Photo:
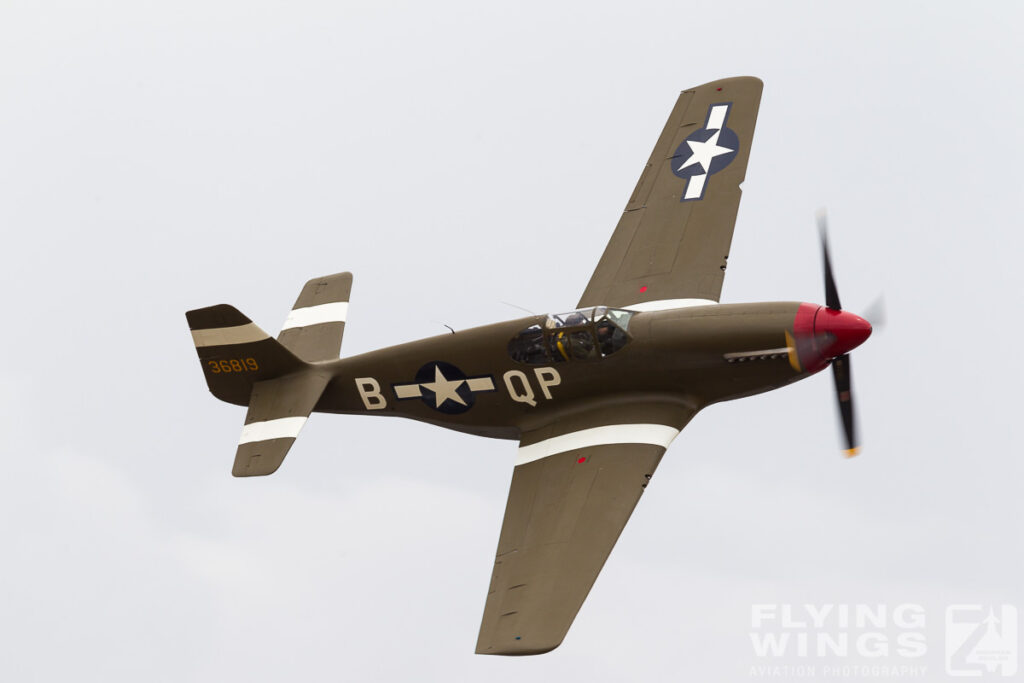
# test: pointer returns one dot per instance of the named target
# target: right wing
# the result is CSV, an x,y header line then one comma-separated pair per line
x,y
673,240
575,484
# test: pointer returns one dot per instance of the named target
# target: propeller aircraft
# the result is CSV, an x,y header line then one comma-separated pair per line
x,y
594,396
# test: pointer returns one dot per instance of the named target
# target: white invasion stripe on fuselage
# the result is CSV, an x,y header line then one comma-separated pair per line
x,y
668,304
223,336
653,434
281,428
334,312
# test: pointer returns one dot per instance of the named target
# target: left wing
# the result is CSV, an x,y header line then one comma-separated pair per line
x,y
575,484
673,239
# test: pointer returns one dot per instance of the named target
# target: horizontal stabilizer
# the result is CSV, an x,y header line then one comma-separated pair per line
x,y
316,323
278,409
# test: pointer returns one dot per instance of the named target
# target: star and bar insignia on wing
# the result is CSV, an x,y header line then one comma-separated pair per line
x,y
705,152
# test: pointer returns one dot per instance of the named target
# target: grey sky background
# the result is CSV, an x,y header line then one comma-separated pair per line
x,y
157,157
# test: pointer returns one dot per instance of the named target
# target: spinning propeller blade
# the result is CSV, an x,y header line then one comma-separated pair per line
x,y
831,291
841,363
841,375
876,313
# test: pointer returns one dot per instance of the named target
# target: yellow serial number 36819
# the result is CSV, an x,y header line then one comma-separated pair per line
x,y
233,365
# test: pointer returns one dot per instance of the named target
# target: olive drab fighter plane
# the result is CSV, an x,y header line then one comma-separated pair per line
x,y
594,396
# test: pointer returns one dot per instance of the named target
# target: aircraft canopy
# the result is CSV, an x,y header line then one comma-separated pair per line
x,y
584,334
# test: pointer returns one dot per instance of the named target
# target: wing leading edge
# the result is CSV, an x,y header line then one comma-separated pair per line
x,y
574,487
673,239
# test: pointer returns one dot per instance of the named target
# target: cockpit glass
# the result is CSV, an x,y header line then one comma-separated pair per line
x,y
528,346
610,337
585,334
581,345
570,319
620,317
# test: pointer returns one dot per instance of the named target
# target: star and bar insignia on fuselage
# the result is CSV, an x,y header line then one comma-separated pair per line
x,y
444,387
705,152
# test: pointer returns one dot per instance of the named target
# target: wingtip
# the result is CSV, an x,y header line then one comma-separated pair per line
x,y
721,83
517,651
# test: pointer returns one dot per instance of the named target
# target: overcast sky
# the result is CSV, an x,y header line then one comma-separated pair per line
x,y
162,156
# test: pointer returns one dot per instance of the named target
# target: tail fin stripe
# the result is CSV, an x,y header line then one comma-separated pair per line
x,y
281,428
334,312
224,336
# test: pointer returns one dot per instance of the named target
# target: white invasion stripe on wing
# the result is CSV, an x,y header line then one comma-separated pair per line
x,y
654,434
668,304
317,315
223,336
281,428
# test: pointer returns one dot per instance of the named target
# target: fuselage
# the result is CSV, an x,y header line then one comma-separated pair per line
x,y
470,381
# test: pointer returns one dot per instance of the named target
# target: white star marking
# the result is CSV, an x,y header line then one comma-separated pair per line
x,y
444,388
704,152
